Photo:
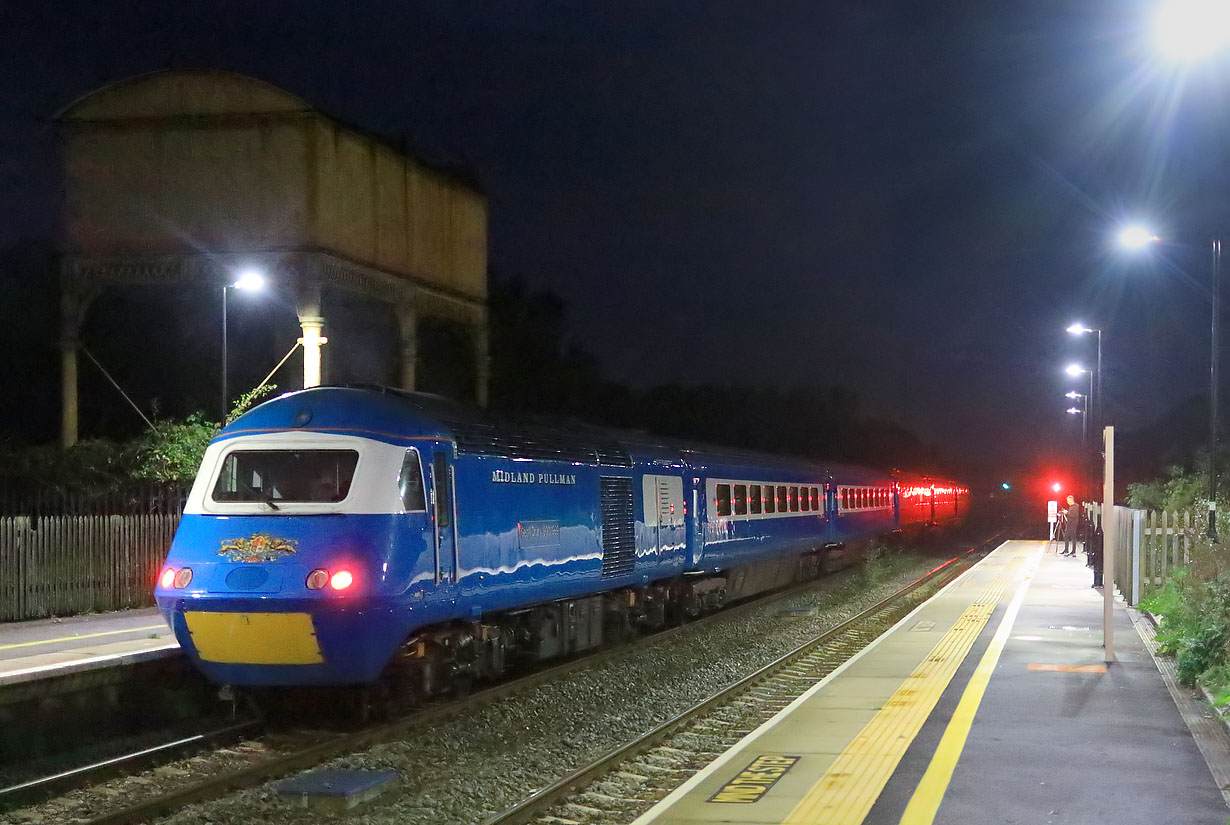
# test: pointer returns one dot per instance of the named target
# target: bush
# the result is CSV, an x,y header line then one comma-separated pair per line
x,y
882,562
169,451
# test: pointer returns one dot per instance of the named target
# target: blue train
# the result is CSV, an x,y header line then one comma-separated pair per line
x,y
350,535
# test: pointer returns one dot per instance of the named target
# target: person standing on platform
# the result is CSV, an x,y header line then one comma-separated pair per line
x,y
1071,527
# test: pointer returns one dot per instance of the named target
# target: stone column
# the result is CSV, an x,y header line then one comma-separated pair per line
x,y
482,360
312,323
408,335
73,304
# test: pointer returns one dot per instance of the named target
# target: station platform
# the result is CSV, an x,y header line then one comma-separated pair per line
x,y
48,648
990,703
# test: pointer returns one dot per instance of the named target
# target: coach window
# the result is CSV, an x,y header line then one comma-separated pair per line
x,y
740,499
782,502
770,502
410,483
804,500
794,499
723,499
845,499
815,498
753,499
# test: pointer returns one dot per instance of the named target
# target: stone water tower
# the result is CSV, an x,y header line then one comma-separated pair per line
x,y
182,177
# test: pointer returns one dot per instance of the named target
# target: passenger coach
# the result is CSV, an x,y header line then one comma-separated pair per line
x,y
341,536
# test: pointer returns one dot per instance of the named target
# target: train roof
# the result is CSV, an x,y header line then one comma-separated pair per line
x,y
395,414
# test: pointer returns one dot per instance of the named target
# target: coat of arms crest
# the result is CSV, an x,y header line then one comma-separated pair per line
x,y
256,548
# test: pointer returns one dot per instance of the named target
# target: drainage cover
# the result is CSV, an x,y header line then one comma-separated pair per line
x,y
336,790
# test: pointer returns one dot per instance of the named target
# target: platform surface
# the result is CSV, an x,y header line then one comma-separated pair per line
x,y
989,704
54,647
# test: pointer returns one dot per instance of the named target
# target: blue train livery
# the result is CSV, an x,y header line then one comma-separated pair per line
x,y
349,536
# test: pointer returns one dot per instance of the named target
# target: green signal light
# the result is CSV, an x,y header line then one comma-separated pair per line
x,y
1006,486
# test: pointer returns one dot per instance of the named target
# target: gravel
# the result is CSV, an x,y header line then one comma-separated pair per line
x,y
464,770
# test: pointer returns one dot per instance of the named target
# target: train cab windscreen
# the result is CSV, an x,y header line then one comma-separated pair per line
x,y
273,476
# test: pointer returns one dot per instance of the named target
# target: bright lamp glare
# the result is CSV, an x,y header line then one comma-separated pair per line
x,y
1072,394
1074,369
1056,486
1073,411
1078,329
1136,237
1192,29
250,279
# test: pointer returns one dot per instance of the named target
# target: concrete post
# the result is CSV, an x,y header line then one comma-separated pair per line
x,y
1109,535
311,322
408,336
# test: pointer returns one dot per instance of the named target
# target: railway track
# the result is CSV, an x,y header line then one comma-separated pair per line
x,y
65,780
627,781
277,761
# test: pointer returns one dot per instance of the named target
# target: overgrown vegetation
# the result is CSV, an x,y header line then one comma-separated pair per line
x,y
1194,602
884,561
169,451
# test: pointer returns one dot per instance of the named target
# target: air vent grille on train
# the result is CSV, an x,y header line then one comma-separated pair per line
x,y
618,535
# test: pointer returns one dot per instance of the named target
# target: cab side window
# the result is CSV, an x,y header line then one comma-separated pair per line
x,y
410,483
444,491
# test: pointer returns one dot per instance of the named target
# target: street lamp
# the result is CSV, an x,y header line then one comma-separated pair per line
x,y
250,280
1188,30
1080,329
1214,340
1087,456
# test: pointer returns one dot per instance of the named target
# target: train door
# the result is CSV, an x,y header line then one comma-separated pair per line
x,y
699,509
663,501
444,511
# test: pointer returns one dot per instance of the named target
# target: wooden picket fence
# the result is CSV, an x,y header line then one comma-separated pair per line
x,y
1150,544
81,551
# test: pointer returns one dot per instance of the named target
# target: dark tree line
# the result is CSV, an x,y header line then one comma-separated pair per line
x,y
161,345
536,368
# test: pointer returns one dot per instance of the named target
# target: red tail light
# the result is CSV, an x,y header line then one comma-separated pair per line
x,y
167,578
341,580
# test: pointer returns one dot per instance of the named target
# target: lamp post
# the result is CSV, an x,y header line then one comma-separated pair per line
x,y
1188,31
1089,456
1080,329
1137,238
250,280
1083,409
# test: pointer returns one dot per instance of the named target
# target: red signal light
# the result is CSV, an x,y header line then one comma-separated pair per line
x,y
1057,487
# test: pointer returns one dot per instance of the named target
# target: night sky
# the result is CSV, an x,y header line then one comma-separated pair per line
x,y
909,199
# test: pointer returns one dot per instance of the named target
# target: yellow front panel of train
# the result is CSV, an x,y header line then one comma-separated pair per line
x,y
255,638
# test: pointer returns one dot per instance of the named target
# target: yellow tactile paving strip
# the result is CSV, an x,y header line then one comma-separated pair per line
x,y
853,782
